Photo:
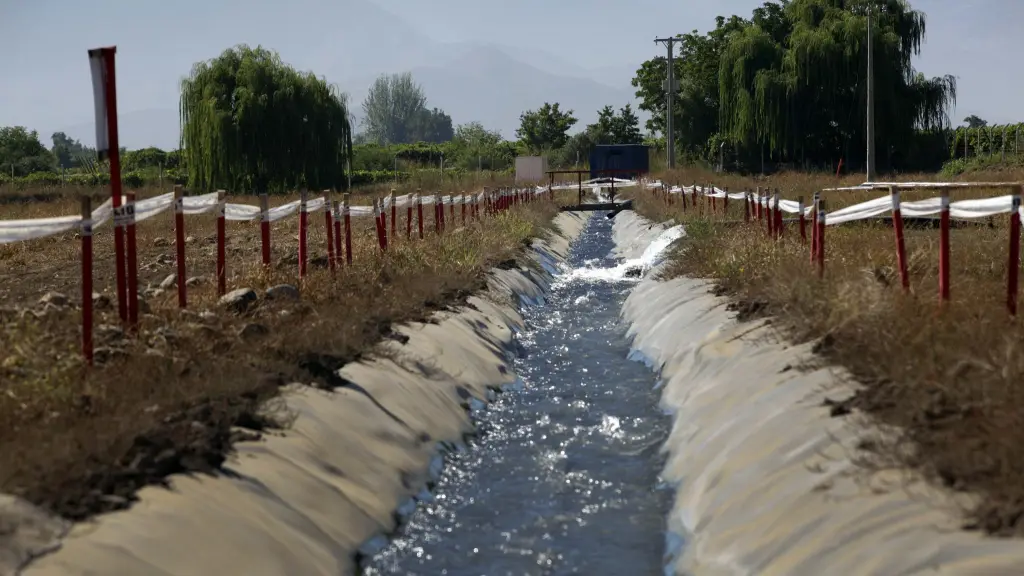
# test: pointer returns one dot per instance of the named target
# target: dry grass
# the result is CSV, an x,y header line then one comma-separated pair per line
x,y
173,397
949,378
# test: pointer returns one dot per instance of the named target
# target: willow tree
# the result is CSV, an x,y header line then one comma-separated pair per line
x,y
803,96
251,123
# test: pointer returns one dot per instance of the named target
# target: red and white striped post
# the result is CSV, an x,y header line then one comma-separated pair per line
x,y
1013,265
408,216
394,215
329,226
803,221
757,206
381,217
451,210
303,233
179,243
746,207
462,202
85,230
901,249
338,250
104,86
222,241
132,261
944,246
821,215
265,230
769,215
487,201
347,216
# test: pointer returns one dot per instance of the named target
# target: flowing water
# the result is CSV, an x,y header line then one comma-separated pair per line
x,y
563,475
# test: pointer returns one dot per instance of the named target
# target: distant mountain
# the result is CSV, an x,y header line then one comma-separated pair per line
x,y
489,83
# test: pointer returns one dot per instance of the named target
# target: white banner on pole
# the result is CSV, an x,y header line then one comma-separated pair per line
x,y
98,65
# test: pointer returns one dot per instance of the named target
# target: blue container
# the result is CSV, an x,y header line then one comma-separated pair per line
x,y
626,159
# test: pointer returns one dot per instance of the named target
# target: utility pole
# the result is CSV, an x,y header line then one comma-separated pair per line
x,y
871,103
670,86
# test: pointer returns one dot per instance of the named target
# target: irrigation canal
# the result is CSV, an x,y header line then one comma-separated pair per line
x,y
563,477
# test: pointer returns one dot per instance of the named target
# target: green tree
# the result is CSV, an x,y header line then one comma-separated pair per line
x,y
394,110
788,83
71,153
973,121
21,152
546,128
612,128
432,126
251,122
479,148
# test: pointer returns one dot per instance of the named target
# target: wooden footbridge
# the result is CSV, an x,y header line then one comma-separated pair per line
x,y
612,207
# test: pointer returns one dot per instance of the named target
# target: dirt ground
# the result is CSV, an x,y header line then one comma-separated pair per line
x,y
174,395
947,380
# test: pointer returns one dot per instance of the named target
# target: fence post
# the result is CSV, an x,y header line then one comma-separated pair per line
x,y
329,224
179,243
725,203
462,202
1013,266
394,214
382,232
779,224
901,250
814,225
419,212
222,274
303,226
338,250
757,207
821,215
85,230
132,276
438,212
265,230
803,230
408,216
346,214
944,246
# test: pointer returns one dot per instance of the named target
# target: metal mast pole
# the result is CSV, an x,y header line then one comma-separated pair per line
x,y
871,104
670,84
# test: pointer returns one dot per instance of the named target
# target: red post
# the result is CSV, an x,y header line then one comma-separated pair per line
x,y
714,202
329,224
769,215
803,221
85,229
901,249
451,210
419,213
462,201
348,229
1013,265
779,225
551,187
438,212
222,240
814,225
725,202
821,238
382,239
758,206
338,250
408,216
104,59
394,214
303,228
265,230
179,243
746,207
944,247
132,262
382,217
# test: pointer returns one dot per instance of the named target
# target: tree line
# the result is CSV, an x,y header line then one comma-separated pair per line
x,y
250,122
787,86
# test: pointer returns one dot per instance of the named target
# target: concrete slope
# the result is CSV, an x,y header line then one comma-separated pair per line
x,y
766,478
304,500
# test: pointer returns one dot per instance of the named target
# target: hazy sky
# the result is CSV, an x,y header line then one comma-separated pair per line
x,y
46,85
